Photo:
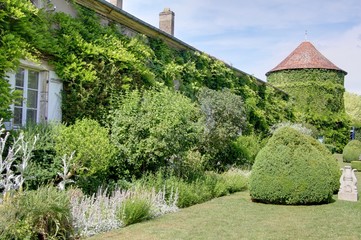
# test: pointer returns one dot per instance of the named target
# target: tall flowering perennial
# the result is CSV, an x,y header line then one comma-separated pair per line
x,y
10,180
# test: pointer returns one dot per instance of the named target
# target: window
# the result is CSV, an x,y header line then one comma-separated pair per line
x,y
27,81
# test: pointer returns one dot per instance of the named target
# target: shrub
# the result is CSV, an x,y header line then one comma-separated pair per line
x,y
356,165
134,209
44,164
246,149
293,168
331,148
92,147
236,180
154,129
352,151
191,166
225,119
44,214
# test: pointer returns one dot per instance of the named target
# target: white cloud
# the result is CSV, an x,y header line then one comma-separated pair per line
x,y
345,52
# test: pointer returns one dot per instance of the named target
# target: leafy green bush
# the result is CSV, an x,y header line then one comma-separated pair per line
x,y
236,180
246,149
356,165
225,119
155,129
92,147
352,151
192,165
293,169
134,209
44,164
331,148
41,214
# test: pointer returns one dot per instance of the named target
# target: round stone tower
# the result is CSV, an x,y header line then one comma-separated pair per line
x,y
316,84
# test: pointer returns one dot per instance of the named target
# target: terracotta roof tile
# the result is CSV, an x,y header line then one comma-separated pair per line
x,y
305,56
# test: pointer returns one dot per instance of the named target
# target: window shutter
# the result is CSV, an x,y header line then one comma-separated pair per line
x,y
55,87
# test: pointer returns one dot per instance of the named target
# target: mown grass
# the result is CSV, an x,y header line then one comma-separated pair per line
x,y
237,217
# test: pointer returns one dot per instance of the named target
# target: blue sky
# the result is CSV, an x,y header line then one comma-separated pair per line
x,y
254,36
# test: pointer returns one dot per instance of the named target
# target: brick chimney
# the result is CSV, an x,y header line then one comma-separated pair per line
x,y
117,3
166,21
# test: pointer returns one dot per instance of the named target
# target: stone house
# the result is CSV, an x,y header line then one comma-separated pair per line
x,y
41,86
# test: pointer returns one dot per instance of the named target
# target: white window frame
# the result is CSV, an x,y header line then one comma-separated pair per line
x,y
24,103
48,93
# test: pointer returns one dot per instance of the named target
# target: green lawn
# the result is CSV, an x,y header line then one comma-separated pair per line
x,y
237,217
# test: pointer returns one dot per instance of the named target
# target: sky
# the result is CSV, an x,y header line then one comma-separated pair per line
x,y
256,35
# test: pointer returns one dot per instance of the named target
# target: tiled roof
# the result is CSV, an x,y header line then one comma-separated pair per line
x,y
305,56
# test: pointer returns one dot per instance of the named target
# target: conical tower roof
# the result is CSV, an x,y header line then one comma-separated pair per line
x,y
305,56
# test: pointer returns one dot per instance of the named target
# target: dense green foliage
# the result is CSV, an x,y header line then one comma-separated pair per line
x,y
154,130
246,149
41,214
318,95
353,108
224,114
133,210
93,151
45,163
205,187
91,144
356,165
352,151
18,19
293,169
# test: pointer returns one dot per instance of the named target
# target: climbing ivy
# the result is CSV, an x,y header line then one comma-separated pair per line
x,y
16,34
97,63
318,96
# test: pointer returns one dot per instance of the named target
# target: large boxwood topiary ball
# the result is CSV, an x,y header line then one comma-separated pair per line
x,y
293,169
352,151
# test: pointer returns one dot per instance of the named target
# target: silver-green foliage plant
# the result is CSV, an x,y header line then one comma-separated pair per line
x,y
66,174
293,168
9,179
297,126
103,212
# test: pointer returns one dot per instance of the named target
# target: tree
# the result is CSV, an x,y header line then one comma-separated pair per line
x,y
225,120
353,107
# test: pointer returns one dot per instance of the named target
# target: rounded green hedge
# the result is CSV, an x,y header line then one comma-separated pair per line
x,y
356,165
352,151
293,169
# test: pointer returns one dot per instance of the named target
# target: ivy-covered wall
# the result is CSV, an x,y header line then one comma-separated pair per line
x,y
318,95
97,63
315,90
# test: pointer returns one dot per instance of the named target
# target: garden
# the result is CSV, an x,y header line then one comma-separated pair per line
x,y
46,203
137,157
